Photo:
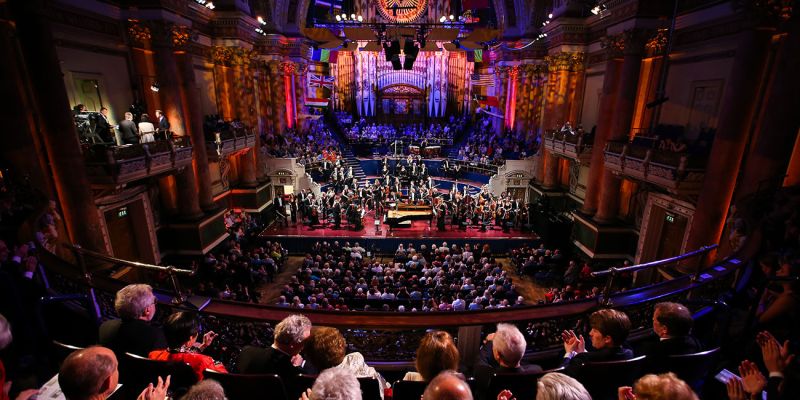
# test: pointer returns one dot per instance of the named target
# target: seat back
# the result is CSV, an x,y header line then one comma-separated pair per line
x,y
692,368
248,386
60,352
140,371
522,384
408,390
602,379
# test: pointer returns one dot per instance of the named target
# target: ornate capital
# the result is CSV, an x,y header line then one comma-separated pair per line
x,y
657,44
767,12
138,32
628,42
564,61
513,73
222,55
241,56
288,67
181,35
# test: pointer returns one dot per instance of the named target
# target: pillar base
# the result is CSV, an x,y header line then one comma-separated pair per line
x,y
612,241
193,238
251,199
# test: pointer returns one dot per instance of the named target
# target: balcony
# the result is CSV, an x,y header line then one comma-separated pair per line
x,y
227,142
568,146
678,173
122,164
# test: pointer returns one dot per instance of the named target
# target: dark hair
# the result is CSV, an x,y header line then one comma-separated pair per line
x,y
103,108
144,118
611,323
436,353
178,328
675,317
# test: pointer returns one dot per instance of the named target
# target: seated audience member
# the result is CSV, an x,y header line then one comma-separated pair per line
x,y
436,353
609,330
503,352
784,374
207,389
447,385
780,313
557,386
658,387
181,330
283,357
92,373
132,332
672,323
334,384
326,348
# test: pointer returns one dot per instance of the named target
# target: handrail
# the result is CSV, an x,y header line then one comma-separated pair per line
x,y
612,272
179,298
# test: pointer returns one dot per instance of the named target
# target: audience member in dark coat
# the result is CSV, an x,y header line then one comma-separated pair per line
x,y
502,353
609,329
672,323
132,333
283,358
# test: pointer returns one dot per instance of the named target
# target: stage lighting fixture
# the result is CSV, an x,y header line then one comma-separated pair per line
x,y
392,49
396,63
338,17
411,51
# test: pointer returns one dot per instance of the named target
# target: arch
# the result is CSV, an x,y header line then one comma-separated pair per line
x,y
402,89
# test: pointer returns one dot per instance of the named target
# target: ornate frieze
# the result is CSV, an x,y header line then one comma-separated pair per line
x,y
138,32
565,61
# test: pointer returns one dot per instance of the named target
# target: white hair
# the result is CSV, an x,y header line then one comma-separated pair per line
x,y
5,332
557,386
132,300
207,389
292,329
336,384
509,343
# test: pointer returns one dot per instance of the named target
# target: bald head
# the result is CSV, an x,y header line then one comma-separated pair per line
x,y
448,385
90,373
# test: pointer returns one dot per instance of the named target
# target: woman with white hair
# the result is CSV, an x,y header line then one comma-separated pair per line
x,y
557,386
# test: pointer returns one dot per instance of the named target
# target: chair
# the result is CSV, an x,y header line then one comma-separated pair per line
x,y
60,351
602,379
692,368
140,372
408,390
247,386
522,384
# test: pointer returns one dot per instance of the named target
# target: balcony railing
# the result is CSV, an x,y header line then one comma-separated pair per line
x,y
676,172
225,143
573,147
116,165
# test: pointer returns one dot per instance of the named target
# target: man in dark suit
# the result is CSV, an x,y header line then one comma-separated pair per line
x,y
502,353
132,333
163,124
283,357
128,130
672,323
103,128
609,330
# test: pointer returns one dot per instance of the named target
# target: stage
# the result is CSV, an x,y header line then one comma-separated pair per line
x,y
303,237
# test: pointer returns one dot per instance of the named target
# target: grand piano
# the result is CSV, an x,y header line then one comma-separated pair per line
x,y
408,212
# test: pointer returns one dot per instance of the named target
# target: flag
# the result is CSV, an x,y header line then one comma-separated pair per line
x,y
324,55
315,81
474,4
484,100
482,79
478,56
316,102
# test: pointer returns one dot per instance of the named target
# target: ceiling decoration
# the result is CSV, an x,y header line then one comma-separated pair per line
x,y
402,11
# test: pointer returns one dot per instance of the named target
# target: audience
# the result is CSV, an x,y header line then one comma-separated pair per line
x,y
658,387
133,332
557,386
283,357
436,353
502,352
182,330
326,347
207,389
334,384
672,323
609,329
447,385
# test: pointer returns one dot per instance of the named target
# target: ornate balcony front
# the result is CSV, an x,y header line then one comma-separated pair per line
x,y
678,173
572,147
119,165
228,142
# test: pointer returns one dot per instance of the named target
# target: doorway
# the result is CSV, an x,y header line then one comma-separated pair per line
x,y
122,234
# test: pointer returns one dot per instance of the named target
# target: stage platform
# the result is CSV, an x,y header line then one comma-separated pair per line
x,y
302,237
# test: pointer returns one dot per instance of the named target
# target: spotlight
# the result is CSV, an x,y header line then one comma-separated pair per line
x,y
154,87
550,15
352,16
360,19
338,17
442,19
452,17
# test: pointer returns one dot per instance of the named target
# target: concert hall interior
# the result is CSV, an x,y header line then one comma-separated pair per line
x,y
560,199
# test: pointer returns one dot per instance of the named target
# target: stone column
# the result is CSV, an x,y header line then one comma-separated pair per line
x,y
195,126
288,91
633,46
766,164
163,45
299,89
57,129
557,106
188,200
502,96
513,74
735,121
278,96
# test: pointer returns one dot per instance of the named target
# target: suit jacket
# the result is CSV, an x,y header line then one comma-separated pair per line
x,y
129,131
163,123
672,347
103,129
572,367
131,336
259,360
487,366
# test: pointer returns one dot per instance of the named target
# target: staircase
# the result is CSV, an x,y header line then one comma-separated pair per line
x,y
350,160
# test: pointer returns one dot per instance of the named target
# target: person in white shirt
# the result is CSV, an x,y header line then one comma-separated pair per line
x,y
146,130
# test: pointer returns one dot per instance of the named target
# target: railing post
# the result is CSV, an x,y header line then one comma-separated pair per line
x,y
87,277
606,300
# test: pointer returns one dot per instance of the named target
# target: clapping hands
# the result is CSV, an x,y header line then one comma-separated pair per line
x,y
573,342
776,357
157,392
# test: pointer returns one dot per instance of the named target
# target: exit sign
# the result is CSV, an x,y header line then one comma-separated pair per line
x,y
123,211
670,218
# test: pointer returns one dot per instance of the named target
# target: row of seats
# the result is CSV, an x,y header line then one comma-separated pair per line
x,y
601,378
